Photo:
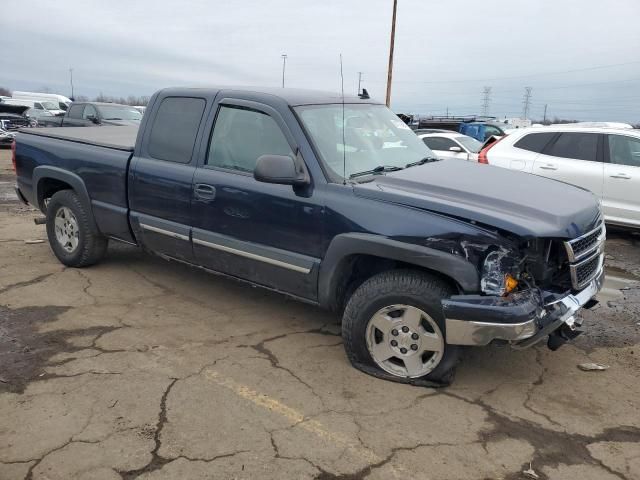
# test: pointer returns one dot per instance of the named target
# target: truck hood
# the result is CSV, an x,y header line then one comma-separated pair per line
x,y
521,203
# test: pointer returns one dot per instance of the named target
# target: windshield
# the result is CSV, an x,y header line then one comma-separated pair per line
x,y
50,106
471,144
373,137
119,112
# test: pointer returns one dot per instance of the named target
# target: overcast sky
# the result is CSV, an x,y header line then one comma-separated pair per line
x,y
581,57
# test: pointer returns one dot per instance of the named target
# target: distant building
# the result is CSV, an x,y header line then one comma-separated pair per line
x,y
516,122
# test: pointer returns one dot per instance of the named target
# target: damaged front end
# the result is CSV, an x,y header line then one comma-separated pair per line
x,y
530,292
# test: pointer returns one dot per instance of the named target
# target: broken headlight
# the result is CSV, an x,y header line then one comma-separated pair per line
x,y
499,272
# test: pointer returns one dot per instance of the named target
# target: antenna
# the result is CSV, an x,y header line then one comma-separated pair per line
x,y
344,149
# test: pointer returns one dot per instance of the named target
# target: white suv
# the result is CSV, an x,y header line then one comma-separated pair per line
x,y
603,160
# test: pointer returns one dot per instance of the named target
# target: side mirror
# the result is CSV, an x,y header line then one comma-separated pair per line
x,y
94,119
455,149
281,169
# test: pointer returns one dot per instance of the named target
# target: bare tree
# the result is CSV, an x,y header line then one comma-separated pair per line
x,y
5,92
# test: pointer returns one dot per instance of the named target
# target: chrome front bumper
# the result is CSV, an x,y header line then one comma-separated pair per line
x,y
535,319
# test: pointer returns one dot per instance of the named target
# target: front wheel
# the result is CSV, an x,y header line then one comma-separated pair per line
x,y
72,234
393,327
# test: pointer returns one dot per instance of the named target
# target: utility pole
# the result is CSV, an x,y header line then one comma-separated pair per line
x,y
393,37
447,111
526,102
71,78
284,65
359,81
486,100
544,120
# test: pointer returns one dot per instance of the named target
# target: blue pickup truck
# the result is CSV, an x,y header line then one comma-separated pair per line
x,y
333,201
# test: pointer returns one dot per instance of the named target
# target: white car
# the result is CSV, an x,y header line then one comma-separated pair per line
x,y
603,160
452,145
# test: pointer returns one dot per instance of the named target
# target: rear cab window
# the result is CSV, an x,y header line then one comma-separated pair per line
x,y
175,127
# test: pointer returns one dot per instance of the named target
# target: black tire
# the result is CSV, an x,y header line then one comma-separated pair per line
x,y
91,245
408,287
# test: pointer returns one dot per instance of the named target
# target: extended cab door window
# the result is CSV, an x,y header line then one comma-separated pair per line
x,y
174,130
573,158
621,202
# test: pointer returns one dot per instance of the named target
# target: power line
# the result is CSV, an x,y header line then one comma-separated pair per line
x,y
486,100
526,102
509,77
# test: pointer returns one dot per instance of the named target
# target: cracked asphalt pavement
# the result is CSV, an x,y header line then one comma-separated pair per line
x,y
139,368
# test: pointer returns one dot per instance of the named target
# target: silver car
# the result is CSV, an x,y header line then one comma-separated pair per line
x,y
452,145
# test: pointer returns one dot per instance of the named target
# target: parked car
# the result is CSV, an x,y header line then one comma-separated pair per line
x,y
12,117
48,106
6,138
61,101
480,128
89,114
269,186
482,131
452,145
36,116
605,161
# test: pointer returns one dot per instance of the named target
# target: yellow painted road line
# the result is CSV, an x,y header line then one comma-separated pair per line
x,y
293,415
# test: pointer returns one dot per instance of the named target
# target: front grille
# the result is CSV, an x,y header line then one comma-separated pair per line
x,y
582,246
14,123
586,256
582,273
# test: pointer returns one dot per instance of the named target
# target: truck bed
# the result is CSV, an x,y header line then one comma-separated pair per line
x,y
119,138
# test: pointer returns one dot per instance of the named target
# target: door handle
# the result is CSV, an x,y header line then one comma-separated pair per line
x,y
624,176
202,191
549,166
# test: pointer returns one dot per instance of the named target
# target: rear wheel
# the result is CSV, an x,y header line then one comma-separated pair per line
x,y
72,234
393,327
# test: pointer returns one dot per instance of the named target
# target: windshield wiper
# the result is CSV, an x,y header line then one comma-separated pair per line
x,y
114,118
378,169
422,161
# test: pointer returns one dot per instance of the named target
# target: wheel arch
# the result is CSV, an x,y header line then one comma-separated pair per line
x,y
49,180
341,263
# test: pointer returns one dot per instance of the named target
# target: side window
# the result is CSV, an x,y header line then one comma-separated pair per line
x,y
241,135
89,112
534,142
75,111
581,146
38,106
175,127
439,143
624,150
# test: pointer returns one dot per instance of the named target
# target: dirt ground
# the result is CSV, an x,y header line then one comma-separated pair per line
x,y
141,368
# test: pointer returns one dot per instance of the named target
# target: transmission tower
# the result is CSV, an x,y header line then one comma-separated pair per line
x,y
526,102
486,100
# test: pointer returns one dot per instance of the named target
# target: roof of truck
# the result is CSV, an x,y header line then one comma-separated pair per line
x,y
292,96
118,137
